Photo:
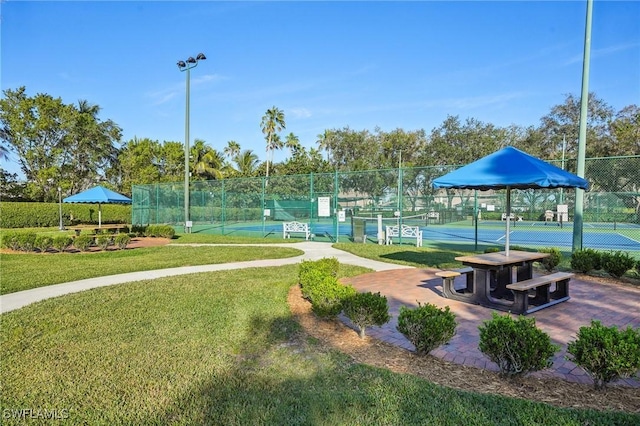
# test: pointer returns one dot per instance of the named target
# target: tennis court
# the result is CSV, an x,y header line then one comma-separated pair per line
x,y
599,236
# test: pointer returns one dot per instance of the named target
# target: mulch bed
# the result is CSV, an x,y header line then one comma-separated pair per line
x,y
335,334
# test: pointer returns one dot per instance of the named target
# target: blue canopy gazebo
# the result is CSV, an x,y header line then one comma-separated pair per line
x,y
98,195
509,168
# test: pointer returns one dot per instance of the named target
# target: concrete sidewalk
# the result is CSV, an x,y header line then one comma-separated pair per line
x,y
312,251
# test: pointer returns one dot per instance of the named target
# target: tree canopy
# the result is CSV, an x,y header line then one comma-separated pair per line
x,y
70,146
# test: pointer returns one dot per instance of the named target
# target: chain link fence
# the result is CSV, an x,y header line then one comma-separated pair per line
x,y
346,206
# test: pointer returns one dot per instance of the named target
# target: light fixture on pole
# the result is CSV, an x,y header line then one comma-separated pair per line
x,y
187,66
61,227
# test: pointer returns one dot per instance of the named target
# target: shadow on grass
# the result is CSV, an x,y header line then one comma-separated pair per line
x,y
292,380
432,259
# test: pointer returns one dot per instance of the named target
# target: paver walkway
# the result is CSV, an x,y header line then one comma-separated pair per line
x,y
404,285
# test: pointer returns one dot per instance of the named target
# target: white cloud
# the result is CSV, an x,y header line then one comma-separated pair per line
x,y
605,51
300,112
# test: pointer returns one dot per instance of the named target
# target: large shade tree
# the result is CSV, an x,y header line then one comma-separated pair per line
x,y
56,144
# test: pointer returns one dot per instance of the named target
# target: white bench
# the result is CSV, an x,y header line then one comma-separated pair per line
x,y
295,227
512,217
407,232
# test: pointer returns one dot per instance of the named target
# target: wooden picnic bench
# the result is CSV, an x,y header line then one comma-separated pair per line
x,y
295,227
406,231
543,297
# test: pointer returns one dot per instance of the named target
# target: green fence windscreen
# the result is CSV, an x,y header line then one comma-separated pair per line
x,y
330,201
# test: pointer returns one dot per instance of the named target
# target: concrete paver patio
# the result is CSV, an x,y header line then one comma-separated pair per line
x,y
609,303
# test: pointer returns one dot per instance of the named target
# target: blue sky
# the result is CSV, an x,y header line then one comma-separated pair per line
x,y
325,64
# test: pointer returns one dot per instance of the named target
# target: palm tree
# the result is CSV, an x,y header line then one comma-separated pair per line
x,y
207,162
4,152
324,142
246,163
232,149
293,144
272,123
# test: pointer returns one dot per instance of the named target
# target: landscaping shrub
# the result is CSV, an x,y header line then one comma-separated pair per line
x,y
103,241
585,260
327,296
122,240
10,240
36,215
491,250
160,231
427,326
26,241
138,230
312,272
617,264
62,242
605,353
367,309
43,243
517,346
82,242
553,260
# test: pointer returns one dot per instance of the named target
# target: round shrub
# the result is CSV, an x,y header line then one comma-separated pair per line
x,y
327,297
62,242
585,260
122,240
312,272
553,260
367,309
605,353
617,264
10,240
26,241
43,243
427,326
103,241
517,346
82,242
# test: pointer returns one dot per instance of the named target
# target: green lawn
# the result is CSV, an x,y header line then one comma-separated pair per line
x,y
23,271
220,348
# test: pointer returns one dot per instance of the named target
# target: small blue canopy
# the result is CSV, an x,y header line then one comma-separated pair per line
x,y
510,168
98,195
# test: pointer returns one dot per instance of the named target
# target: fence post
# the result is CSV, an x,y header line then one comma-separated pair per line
x,y
335,207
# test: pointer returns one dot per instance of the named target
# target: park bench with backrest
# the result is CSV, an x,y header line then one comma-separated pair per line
x,y
405,231
294,227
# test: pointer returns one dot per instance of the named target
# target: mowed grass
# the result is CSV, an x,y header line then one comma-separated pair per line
x,y
22,271
220,348
406,254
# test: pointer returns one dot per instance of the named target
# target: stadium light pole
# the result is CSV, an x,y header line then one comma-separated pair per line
x,y
578,220
187,66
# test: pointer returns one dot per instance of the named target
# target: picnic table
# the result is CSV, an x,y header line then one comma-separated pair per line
x,y
506,283
116,227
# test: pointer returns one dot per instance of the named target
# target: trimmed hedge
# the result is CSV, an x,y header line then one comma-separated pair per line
x,y
39,215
